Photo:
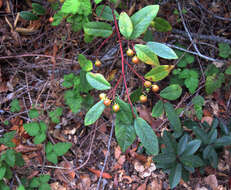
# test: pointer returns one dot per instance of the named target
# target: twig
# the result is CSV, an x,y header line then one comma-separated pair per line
x,y
107,154
202,36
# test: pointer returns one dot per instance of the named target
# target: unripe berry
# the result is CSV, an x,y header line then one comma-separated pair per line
x,y
135,60
155,88
130,52
143,98
102,96
147,84
98,63
116,107
51,19
107,102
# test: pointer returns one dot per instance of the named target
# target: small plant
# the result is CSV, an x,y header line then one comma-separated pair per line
x,y
36,130
40,182
15,106
55,115
37,10
53,151
224,50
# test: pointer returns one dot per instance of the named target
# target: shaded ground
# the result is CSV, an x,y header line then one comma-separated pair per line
x,y
29,72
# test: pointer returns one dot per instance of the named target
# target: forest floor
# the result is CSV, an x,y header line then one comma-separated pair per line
x,y
33,63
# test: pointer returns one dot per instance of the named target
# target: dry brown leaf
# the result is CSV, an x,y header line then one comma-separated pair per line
x,y
63,175
117,152
155,185
97,172
85,182
24,149
211,180
57,186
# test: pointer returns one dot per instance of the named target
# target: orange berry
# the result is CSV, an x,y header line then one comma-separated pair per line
x,y
135,60
116,107
51,19
98,63
102,96
130,52
143,98
147,84
155,88
107,102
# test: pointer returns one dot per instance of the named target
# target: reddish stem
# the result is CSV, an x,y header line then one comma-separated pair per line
x,y
134,71
122,61
112,91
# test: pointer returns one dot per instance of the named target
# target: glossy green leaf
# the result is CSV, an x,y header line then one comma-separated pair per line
x,y
147,136
223,141
175,175
27,15
162,25
61,148
125,134
94,113
158,109
212,136
165,158
192,147
38,9
162,50
97,81
32,128
173,118
182,144
85,64
2,172
125,25
146,55
124,115
105,13
172,92
158,72
142,19
192,161
98,29
200,133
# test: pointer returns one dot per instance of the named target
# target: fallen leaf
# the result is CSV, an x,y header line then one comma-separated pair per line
x,y
97,172
85,182
24,149
68,173
155,185
211,180
57,186
117,152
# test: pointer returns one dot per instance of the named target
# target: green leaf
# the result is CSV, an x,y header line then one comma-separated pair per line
x,y
3,186
192,147
94,113
27,15
228,70
84,85
162,25
82,7
223,141
97,1
198,102
19,161
15,106
52,157
61,148
182,144
44,178
35,182
142,19
98,29
40,138
49,148
58,17
147,136
38,9
135,95
185,58
21,187
124,115
170,142
7,139
213,158
224,50
105,13
85,64
146,55
213,82
175,175
173,118
158,109
162,50
125,25
192,161
125,134
165,158
33,113
9,173
73,100
200,133
172,92
44,186
97,81
10,157
55,115
2,172
158,72
32,128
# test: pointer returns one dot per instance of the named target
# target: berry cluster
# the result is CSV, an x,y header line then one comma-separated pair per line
x,y
107,102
